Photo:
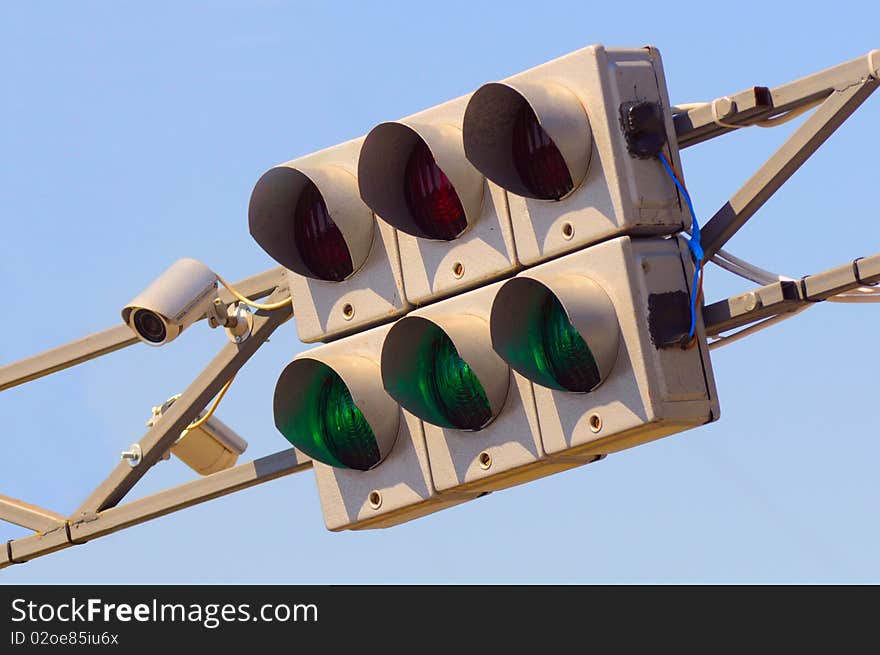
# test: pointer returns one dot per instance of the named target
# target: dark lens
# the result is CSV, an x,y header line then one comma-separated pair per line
x,y
538,161
431,198
453,387
149,326
318,239
567,355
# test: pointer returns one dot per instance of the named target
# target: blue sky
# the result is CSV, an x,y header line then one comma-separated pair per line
x,y
132,135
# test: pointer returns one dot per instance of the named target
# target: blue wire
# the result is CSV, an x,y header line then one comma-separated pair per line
x,y
694,244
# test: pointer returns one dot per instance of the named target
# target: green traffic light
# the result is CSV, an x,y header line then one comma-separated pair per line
x,y
567,356
543,345
433,381
451,385
330,427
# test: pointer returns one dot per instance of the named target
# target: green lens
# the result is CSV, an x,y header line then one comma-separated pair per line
x,y
330,427
451,386
435,383
567,357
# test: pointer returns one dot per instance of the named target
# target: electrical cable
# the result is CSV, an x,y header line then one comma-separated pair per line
x,y
773,320
248,301
201,421
747,270
741,267
790,115
696,251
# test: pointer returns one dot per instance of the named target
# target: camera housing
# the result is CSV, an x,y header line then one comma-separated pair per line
x,y
207,448
172,302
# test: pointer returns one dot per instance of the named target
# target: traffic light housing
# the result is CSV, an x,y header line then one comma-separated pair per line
x,y
370,458
521,307
574,142
599,332
343,265
452,224
479,418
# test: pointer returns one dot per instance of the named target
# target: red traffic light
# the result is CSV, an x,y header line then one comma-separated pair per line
x,y
430,196
318,239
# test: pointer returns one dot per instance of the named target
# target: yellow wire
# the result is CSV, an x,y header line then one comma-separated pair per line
x,y
789,115
248,301
769,122
216,402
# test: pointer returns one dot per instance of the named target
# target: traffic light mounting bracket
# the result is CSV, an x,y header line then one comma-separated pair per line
x,y
787,296
836,92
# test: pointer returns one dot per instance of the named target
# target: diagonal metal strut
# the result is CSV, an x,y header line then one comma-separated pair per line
x,y
162,435
782,164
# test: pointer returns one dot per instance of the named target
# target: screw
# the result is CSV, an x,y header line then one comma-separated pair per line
x,y
723,106
752,301
133,455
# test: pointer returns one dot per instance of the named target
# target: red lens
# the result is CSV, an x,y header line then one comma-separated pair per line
x,y
431,198
318,239
538,161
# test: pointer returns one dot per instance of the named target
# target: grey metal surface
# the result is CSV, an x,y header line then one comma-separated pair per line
x,y
114,338
869,269
699,124
763,302
27,515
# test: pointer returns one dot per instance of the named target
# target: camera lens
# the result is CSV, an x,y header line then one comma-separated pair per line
x,y
149,326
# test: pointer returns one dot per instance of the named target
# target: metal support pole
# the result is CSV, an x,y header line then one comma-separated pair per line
x,y
114,338
198,491
65,534
711,119
789,295
27,515
782,164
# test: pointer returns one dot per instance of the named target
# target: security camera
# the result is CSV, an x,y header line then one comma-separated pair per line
x,y
206,447
179,297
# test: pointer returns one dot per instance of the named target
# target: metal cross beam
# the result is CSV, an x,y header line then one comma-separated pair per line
x,y
789,295
27,515
782,164
114,338
840,90
754,106
65,533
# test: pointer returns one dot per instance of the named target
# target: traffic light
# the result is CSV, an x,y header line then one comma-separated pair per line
x,y
481,428
453,226
370,458
536,308
598,332
343,265
574,142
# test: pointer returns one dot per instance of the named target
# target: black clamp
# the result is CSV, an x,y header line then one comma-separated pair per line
x,y
643,128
